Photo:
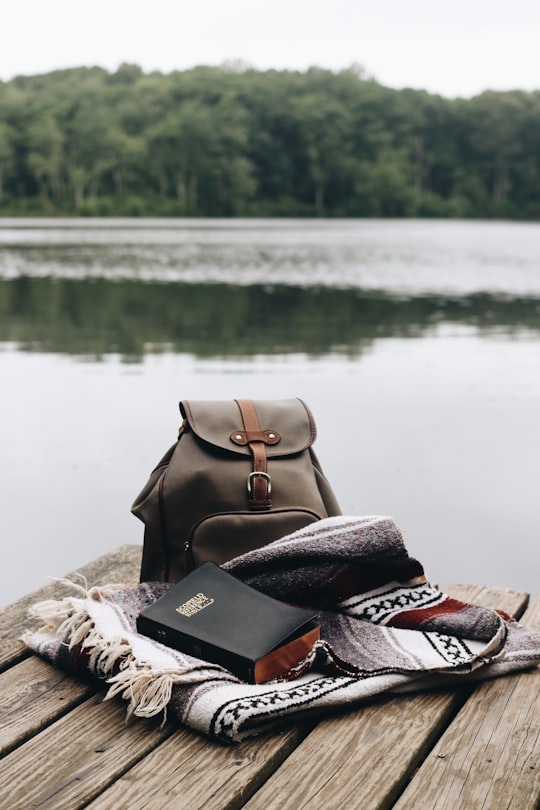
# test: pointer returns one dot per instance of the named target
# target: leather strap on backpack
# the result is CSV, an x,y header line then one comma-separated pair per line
x,y
259,483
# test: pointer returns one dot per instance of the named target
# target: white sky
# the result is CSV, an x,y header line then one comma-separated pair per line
x,y
452,47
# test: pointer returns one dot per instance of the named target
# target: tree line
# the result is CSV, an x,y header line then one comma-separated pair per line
x,y
234,141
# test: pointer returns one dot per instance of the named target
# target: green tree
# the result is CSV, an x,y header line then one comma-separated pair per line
x,y
44,142
6,154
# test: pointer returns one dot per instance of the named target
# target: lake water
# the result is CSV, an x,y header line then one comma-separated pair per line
x,y
416,344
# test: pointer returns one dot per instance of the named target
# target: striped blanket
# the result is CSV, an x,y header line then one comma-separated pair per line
x,y
384,628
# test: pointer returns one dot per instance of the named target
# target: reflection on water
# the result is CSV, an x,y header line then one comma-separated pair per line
x,y
97,317
245,287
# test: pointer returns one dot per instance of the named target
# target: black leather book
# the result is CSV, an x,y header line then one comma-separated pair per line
x,y
214,616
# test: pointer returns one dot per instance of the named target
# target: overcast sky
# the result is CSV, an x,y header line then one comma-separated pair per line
x,y
455,48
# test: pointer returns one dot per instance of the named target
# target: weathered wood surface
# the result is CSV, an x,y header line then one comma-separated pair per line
x,y
187,771
64,748
75,758
32,695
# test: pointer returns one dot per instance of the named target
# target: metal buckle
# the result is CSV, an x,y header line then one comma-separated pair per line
x,y
263,475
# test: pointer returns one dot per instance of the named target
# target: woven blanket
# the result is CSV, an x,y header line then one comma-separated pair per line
x,y
384,628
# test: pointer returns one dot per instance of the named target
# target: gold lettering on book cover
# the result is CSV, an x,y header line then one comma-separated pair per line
x,y
194,605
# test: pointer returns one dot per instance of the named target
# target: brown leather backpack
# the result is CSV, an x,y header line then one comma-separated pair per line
x,y
241,474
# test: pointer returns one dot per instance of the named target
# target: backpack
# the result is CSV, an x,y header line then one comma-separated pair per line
x,y
241,474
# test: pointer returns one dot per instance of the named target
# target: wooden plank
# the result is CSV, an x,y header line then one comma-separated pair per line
x,y
73,760
120,565
532,616
193,772
361,759
33,694
513,602
490,755
370,754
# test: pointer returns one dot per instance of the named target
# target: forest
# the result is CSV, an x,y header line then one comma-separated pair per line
x,y
233,141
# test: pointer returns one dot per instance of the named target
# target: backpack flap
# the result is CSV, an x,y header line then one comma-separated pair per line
x,y
260,430
215,422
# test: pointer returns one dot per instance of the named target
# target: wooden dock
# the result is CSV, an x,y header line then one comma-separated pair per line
x,y
458,749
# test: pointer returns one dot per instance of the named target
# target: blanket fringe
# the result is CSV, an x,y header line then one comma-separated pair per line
x,y
66,619
69,583
106,657
96,592
111,659
60,615
52,614
147,691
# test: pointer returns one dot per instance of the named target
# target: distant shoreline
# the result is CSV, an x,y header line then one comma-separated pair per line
x,y
222,142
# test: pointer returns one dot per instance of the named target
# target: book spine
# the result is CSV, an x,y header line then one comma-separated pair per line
x,y
242,667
